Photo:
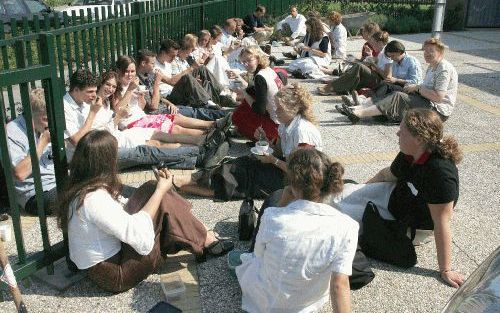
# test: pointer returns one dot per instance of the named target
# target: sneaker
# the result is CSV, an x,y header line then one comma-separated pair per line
x,y
214,139
223,124
339,109
214,157
267,49
212,104
350,114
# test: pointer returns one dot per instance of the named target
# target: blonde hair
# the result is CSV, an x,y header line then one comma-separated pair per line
x,y
295,99
37,101
189,41
436,43
256,52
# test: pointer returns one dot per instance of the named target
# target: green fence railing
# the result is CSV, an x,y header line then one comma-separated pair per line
x,y
46,51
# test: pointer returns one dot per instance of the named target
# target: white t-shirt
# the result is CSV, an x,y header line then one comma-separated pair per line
x,y
75,116
297,249
443,78
299,131
166,70
297,25
382,60
178,65
339,40
135,111
97,229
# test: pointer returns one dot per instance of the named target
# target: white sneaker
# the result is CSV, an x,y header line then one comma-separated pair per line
x,y
212,104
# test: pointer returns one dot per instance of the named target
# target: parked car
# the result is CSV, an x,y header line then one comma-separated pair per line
x,y
18,9
108,5
481,291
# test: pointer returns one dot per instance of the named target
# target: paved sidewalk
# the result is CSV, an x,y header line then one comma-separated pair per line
x,y
364,148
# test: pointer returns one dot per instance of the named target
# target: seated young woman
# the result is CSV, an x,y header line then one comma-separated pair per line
x,y
367,32
259,175
132,98
121,243
107,119
366,74
314,51
406,69
257,108
437,92
424,185
304,250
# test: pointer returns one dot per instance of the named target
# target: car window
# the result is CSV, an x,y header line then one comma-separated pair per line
x,y
93,2
13,7
35,6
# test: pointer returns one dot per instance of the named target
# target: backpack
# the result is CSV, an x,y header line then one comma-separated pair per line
x,y
362,273
386,240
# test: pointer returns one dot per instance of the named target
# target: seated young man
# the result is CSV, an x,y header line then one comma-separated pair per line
x,y
291,29
253,25
156,103
80,116
194,86
19,150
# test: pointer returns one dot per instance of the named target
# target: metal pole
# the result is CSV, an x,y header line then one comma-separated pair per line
x,y
437,22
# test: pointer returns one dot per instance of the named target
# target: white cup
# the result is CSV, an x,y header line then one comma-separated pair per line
x,y
261,146
141,88
5,232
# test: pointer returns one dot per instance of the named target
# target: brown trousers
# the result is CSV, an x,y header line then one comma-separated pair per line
x,y
357,77
176,228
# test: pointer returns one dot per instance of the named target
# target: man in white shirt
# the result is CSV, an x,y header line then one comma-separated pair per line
x,y
291,29
194,86
229,29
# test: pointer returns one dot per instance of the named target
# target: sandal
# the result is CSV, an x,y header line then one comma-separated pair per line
x,y
350,114
325,92
216,248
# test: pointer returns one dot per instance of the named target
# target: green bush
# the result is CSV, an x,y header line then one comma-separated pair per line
x,y
380,19
454,17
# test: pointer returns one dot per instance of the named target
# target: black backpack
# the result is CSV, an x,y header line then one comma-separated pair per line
x,y
362,273
386,240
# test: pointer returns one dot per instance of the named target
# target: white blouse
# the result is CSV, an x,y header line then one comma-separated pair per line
x,y
299,131
297,249
97,229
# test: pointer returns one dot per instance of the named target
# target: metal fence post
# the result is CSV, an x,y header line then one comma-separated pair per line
x,y
202,14
438,20
138,11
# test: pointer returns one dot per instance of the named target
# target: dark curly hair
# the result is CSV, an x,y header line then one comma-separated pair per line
x,y
81,79
314,174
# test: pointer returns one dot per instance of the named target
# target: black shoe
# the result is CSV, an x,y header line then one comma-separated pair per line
x,y
214,139
350,114
339,109
298,74
290,55
218,248
267,49
214,156
347,101
279,62
223,124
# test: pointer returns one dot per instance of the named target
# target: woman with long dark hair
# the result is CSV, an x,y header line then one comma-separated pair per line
x,y
121,242
314,51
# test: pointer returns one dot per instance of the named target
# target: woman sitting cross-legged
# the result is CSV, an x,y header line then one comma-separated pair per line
x,y
259,175
120,242
304,250
257,108
438,91
421,187
315,51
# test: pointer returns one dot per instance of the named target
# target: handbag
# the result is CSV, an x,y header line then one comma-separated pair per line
x,y
247,219
362,273
386,240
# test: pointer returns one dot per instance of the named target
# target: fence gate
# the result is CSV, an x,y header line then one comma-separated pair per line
x,y
483,13
16,78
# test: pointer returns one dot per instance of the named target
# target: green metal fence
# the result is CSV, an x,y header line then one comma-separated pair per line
x,y
44,52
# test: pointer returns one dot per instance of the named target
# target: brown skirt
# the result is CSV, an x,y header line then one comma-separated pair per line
x,y
176,228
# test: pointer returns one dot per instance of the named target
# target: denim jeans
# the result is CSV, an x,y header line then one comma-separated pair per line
x,y
203,113
178,158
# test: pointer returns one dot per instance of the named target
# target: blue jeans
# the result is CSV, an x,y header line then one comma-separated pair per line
x,y
178,158
202,113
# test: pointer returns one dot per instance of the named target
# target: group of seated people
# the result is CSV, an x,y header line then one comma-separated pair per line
x,y
177,108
